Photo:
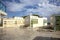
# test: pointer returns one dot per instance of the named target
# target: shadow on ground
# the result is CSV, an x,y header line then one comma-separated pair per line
x,y
45,38
1,33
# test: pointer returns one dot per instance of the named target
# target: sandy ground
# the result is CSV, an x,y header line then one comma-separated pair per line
x,y
27,34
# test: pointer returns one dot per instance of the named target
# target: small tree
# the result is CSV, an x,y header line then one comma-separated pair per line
x,y
36,15
24,16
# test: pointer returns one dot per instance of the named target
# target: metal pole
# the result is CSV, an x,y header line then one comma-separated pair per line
x,y
30,20
54,24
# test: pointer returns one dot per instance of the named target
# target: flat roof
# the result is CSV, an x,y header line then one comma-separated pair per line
x,y
3,13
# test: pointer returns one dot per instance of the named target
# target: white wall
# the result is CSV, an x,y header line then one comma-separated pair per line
x,y
44,18
40,21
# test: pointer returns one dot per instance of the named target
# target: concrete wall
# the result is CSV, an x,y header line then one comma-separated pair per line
x,y
27,20
40,21
11,22
39,24
45,21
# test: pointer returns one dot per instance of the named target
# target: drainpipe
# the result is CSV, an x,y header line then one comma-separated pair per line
x,y
54,24
30,19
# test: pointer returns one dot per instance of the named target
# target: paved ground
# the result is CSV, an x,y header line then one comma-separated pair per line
x,y
27,34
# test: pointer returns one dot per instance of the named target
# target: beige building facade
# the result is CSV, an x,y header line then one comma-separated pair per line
x,y
13,22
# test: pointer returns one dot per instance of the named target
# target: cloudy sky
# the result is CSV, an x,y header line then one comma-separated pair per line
x,y
24,7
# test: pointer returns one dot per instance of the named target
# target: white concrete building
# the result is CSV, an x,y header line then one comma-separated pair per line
x,y
13,22
35,21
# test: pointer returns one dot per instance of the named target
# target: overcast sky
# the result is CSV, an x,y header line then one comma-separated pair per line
x,y
24,7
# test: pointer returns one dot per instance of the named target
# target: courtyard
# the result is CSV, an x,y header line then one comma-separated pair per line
x,y
15,33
